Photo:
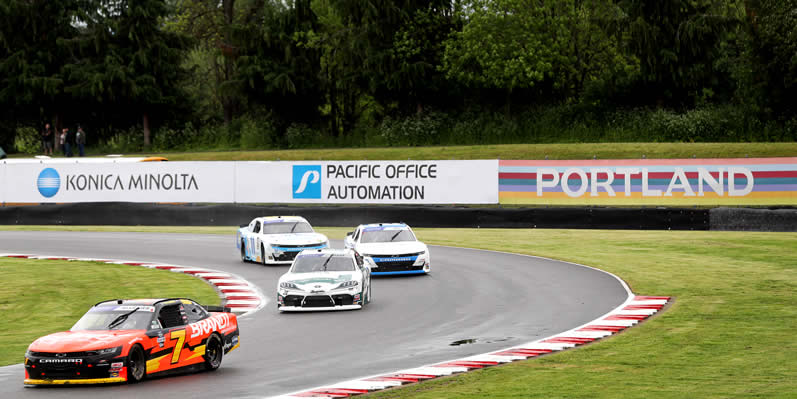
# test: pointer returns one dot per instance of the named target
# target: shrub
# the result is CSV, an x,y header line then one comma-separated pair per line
x,y
256,133
418,129
299,135
27,140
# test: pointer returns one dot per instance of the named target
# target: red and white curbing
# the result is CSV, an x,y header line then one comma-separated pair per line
x,y
236,293
634,310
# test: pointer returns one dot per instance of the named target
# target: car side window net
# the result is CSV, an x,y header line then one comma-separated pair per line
x,y
195,313
170,316
257,227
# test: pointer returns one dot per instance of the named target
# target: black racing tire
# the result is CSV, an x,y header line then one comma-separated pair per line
x,y
263,255
369,292
214,353
243,251
136,365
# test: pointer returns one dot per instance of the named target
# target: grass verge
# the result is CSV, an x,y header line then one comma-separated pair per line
x,y
40,297
505,151
730,332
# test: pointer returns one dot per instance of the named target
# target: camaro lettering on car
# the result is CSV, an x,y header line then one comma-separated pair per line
x,y
203,327
61,361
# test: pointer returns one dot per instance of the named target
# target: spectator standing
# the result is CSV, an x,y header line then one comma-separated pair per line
x,y
47,139
81,141
70,142
62,140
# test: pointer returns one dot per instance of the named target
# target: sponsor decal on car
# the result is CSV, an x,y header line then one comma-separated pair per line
x,y
206,326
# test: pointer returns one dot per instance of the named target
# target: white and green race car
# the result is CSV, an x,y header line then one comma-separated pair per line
x,y
325,279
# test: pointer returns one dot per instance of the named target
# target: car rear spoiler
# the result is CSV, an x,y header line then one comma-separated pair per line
x,y
211,308
245,225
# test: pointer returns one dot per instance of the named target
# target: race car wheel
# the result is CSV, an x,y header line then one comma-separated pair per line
x,y
262,254
136,365
369,294
243,251
214,352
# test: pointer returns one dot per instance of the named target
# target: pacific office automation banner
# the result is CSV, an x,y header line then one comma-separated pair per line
x,y
111,182
369,182
741,181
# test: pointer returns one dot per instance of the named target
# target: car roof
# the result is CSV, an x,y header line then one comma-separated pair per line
x,y
384,225
144,301
326,251
276,219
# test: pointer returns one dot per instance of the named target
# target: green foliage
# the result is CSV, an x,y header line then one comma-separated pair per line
x,y
418,129
27,141
299,135
256,133
677,42
505,44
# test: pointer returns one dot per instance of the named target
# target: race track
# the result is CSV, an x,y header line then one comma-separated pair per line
x,y
497,299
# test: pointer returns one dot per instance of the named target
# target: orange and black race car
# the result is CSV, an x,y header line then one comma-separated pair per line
x,y
126,340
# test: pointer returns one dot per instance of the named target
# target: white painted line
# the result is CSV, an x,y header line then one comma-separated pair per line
x,y
649,302
621,323
589,334
361,384
488,358
638,312
436,371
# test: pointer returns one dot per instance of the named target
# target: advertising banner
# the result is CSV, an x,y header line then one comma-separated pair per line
x,y
112,182
741,181
368,182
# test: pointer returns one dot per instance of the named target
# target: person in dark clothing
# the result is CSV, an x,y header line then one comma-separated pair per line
x,y
81,141
70,142
65,142
47,140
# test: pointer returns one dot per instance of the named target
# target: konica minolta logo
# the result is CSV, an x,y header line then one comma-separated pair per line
x,y
49,182
307,181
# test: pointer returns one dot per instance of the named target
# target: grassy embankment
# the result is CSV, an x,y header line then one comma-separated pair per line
x,y
730,332
44,296
497,151
506,151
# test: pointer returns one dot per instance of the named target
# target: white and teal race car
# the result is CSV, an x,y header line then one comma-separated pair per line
x,y
325,279
390,248
277,239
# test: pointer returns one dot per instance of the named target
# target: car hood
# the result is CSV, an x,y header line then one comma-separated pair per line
x,y
79,341
391,248
294,239
320,280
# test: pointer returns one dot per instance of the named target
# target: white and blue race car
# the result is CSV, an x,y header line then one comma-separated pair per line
x,y
390,248
277,239
325,279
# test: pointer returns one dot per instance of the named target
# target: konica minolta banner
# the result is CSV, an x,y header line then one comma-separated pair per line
x,y
385,182
117,182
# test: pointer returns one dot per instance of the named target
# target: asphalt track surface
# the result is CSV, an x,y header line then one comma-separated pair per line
x,y
496,299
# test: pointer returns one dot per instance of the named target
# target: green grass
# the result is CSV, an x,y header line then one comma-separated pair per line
x,y
40,297
729,333
505,151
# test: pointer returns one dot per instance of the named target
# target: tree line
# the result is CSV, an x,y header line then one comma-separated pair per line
x,y
287,73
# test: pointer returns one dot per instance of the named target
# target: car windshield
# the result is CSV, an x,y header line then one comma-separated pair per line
x,y
282,227
111,317
322,263
386,235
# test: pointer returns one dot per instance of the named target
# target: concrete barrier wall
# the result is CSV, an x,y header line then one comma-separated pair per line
x,y
350,216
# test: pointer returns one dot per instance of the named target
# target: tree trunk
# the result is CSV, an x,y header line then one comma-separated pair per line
x,y
145,121
229,101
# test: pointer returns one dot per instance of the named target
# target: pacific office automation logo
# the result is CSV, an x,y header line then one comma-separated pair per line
x,y
49,182
307,181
